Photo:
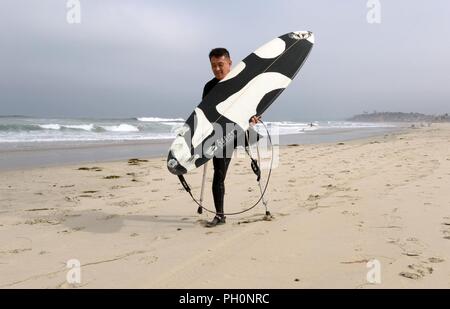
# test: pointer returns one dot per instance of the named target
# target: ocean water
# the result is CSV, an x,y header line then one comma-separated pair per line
x,y
33,142
17,131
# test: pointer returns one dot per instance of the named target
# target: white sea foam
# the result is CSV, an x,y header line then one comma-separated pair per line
x,y
85,127
123,127
157,119
50,126
17,130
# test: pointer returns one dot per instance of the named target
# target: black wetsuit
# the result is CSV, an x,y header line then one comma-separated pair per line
x,y
220,165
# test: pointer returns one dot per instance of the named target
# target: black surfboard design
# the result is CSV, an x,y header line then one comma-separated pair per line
x,y
249,89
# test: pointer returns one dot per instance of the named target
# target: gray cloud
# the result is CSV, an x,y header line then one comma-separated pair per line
x,y
148,58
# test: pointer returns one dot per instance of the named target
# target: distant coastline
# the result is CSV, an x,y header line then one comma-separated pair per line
x,y
399,117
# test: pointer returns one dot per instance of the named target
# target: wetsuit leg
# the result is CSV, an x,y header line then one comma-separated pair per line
x,y
218,185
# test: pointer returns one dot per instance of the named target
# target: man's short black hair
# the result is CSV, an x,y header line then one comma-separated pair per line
x,y
219,52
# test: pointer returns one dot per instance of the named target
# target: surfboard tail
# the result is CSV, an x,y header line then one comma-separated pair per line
x,y
174,166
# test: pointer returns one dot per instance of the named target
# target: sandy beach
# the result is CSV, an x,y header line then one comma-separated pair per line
x,y
336,207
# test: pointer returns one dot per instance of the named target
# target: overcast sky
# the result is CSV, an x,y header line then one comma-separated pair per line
x,y
150,58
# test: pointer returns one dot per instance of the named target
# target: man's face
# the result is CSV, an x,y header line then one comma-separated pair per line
x,y
220,66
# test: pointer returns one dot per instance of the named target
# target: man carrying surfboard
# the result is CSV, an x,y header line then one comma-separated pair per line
x,y
220,65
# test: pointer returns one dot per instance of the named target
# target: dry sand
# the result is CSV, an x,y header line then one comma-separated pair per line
x,y
335,207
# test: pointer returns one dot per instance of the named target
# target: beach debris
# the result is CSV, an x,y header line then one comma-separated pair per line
x,y
329,186
340,144
355,262
293,145
313,197
38,209
89,191
95,169
296,279
111,177
135,161
71,199
411,253
134,235
392,240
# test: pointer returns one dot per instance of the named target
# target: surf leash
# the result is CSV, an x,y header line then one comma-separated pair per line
x,y
256,169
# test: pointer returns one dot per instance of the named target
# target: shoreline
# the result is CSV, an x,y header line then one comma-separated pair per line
x,y
53,155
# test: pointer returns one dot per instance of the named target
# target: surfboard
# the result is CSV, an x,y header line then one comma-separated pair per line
x,y
247,90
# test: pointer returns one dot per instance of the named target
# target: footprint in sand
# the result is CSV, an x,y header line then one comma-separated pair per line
x,y
446,228
149,259
416,271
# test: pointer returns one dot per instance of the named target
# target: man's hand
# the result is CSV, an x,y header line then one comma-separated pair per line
x,y
255,119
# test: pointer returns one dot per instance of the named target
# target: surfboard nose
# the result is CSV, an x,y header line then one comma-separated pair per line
x,y
311,37
304,35
174,166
